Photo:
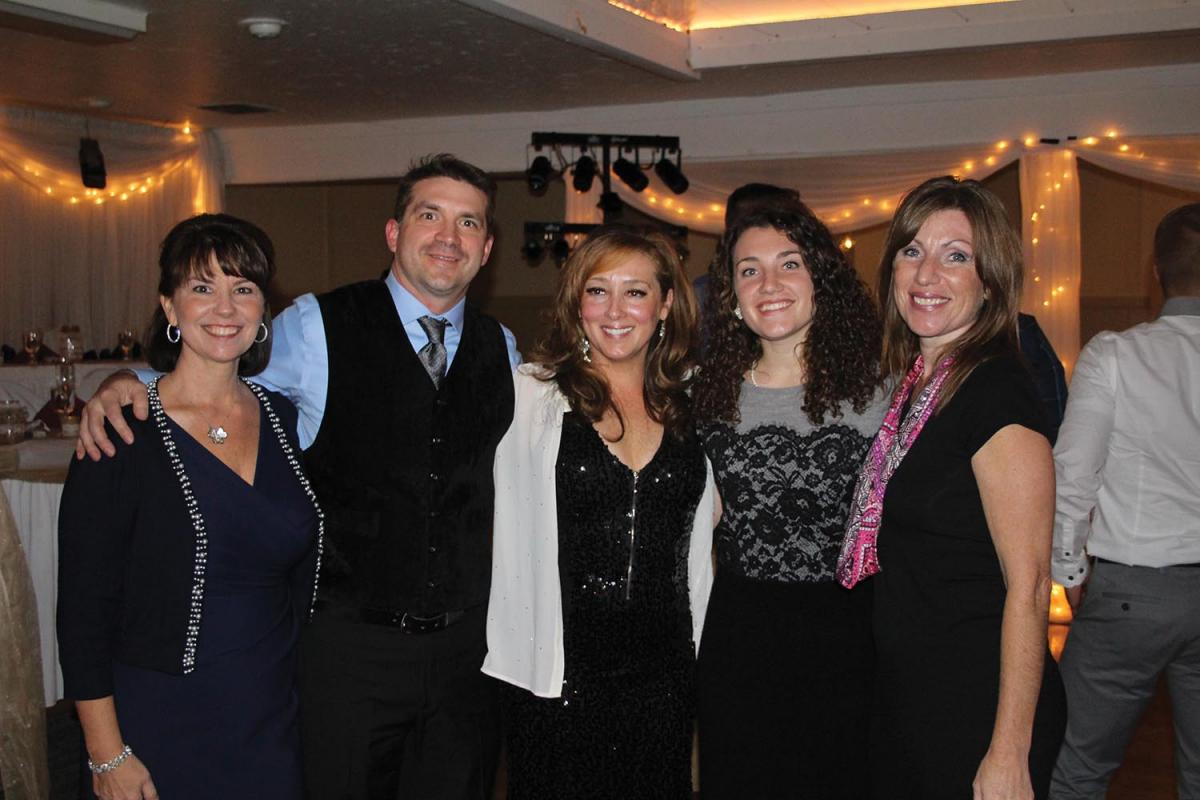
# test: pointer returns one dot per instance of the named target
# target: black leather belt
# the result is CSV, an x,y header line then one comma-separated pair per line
x,y
406,621
1194,565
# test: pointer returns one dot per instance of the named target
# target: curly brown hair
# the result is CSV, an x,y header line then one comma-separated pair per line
x,y
841,352
670,358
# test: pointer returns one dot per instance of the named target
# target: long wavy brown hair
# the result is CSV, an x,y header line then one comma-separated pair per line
x,y
669,360
997,262
840,353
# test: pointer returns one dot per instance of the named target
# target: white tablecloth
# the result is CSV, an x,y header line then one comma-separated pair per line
x,y
34,502
31,385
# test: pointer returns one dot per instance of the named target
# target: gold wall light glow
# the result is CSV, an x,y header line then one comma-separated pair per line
x,y
711,14
673,24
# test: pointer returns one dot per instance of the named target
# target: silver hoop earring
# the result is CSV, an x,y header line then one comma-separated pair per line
x,y
178,334
586,347
662,328
737,311
265,331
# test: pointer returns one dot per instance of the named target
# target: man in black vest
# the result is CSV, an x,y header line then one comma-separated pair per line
x,y
404,391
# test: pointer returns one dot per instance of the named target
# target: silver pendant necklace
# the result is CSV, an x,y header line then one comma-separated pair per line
x,y
217,434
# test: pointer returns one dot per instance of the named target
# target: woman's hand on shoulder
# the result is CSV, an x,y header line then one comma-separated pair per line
x,y
1002,777
129,781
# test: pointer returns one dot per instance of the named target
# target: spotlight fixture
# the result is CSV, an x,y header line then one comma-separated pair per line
x,y
585,173
554,237
532,250
631,173
91,164
671,175
594,159
539,174
561,251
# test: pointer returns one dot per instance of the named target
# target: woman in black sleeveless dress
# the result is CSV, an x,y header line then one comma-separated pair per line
x,y
968,700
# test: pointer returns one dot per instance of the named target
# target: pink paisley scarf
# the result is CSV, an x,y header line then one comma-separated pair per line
x,y
859,559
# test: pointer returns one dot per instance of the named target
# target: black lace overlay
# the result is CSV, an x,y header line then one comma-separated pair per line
x,y
785,495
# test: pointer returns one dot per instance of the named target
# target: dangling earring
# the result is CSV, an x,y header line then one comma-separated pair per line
x,y
662,328
178,333
265,331
586,347
737,311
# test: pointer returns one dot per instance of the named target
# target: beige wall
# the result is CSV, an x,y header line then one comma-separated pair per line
x,y
327,234
1118,218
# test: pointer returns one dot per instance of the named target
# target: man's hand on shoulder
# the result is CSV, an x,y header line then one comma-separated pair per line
x,y
119,389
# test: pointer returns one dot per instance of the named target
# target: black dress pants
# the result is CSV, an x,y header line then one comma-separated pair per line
x,y
387,715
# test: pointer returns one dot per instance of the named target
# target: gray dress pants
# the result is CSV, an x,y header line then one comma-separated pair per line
x,y
1134,624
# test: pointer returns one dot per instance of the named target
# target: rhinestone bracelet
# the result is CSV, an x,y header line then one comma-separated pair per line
x,y
112,763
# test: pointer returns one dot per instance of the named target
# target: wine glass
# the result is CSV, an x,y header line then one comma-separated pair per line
x,y
33,343
125,342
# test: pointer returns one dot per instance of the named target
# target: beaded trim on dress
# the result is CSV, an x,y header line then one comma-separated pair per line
x,y
200,562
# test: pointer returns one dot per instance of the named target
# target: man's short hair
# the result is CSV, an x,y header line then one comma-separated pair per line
x,y
445,165
751,197
1177,251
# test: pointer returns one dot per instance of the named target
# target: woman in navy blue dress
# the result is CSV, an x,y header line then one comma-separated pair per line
x,y
189,559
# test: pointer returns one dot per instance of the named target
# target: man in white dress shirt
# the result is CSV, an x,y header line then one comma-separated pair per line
x,y
1127,528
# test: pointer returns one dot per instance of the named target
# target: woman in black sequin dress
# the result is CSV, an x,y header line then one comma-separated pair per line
x,y
603,526
787,404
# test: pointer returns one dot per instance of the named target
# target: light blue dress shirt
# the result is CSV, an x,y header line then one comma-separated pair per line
x,y
299,367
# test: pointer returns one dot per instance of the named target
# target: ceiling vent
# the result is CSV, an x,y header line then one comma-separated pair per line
x,y
238,108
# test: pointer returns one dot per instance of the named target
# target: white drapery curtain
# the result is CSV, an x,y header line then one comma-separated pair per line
x,y
1050,244
89,257
858,191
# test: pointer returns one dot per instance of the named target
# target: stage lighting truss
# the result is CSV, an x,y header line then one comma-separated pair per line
x,y
554,153
560,238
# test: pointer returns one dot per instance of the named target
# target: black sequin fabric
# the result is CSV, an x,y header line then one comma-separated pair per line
x,y
623,726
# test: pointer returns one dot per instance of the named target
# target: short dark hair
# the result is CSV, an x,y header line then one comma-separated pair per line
x,y
751,197
1177,251
240,248
445,165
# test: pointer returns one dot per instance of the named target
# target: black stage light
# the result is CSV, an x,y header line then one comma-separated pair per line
x,y
561,251
631,173
539,174
610,203
532,250
91,164
585,173
669,173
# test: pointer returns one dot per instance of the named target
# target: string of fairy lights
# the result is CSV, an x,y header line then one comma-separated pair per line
x,y
977,166
66,187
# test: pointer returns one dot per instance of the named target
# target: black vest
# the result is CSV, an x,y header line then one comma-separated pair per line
x,y
403,470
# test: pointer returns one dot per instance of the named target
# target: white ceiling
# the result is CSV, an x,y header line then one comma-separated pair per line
x,y
366,60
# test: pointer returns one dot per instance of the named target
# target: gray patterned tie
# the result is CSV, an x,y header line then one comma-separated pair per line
x,y
433,354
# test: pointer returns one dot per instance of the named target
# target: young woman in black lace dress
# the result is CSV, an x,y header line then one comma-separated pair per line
x,y
603,530
787,403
